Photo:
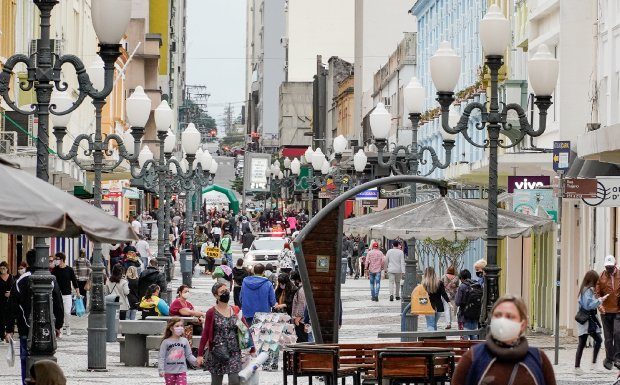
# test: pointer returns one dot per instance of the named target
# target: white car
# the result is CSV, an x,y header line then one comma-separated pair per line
x,y
264,250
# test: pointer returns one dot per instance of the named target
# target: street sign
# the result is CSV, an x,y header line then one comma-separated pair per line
x,y
576,188
561,155
607,192
527,182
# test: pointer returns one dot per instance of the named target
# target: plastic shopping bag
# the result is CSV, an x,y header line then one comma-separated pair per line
x,y
80,310
10,354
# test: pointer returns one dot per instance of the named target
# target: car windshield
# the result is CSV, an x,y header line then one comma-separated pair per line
x,y
268,244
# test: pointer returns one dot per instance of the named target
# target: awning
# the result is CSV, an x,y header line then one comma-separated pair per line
x,y
293,151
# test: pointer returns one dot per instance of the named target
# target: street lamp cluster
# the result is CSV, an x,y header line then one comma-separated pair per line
x,y
44,70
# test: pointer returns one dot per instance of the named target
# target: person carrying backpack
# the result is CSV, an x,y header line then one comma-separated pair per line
x,y
505,357
469,302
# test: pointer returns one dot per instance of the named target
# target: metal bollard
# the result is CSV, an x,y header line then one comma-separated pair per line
x,y
186,260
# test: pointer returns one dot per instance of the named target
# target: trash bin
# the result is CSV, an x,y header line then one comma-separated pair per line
x,y
111,320
343,270
187,265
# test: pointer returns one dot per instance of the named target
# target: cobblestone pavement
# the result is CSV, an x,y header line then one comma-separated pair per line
x,y
363,319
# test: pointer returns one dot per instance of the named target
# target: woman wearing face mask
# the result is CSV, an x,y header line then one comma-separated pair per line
x,y
285,292
6,282
181,307
505,358
219,343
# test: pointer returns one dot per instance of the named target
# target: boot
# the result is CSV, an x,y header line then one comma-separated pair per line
x,y
391,298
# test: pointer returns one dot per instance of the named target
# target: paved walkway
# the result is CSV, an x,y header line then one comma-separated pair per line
x,y
363,319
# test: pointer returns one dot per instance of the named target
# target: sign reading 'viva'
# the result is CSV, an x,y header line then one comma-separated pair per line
x,y
527,182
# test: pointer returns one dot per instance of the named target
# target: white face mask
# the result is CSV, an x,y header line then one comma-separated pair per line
x,y
178,330
505,330
21,271
56,262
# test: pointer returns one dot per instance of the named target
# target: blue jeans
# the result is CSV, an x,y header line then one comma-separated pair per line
x,y
229,260
375,284
23,356
431,322
470,325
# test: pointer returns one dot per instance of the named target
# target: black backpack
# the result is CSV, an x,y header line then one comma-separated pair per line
x,y
472,301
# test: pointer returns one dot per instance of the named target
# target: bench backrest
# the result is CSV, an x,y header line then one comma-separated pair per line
x,y
363,353
308,360
408,367
458,347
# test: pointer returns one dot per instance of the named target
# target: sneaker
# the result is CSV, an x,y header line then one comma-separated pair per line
x,y
617,363
578,370
68,331
607,364
391,298
398,298
448,327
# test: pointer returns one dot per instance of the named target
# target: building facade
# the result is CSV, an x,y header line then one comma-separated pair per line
x,y
295,114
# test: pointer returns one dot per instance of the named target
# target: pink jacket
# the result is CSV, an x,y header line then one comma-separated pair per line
x,y
375,261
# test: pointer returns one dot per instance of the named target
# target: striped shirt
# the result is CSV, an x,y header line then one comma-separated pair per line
x,y
82,268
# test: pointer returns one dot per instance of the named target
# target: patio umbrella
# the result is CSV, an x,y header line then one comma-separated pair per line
x,y
30,206
443,217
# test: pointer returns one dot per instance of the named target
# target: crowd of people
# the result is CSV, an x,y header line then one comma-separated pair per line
x,y
134,280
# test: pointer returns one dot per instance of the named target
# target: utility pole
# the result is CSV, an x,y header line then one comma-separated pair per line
x,y
228,119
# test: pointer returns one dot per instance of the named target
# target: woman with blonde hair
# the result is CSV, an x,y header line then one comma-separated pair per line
x,y
46,372
436,291
505,357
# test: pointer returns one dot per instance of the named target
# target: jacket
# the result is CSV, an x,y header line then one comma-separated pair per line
x,y
246,239
435,297
299,303
257,296
121,289
206,339
588,302
20,308
159,305
395,261
503,362
148,277
239,274
133,297
605,286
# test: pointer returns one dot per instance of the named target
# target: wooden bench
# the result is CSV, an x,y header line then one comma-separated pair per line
x,y
133,346
309,360
362,357
414,365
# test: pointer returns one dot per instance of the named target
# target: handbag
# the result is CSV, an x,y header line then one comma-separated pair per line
x,y
220,352
88,285
10,354
582,316
421,302
112,297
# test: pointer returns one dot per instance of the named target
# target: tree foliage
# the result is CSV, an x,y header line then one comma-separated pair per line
x,y
445,252
237,185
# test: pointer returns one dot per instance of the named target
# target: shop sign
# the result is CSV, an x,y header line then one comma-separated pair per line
x,y
370,194
577,188
607,192
527,182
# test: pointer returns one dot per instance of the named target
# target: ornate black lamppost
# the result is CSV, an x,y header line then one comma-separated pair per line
x,y
495,35
380,123
110,20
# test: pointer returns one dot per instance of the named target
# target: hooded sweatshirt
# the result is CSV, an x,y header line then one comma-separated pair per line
x,y
257,296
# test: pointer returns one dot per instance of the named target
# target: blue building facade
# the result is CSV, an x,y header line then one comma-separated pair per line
x,y
456,21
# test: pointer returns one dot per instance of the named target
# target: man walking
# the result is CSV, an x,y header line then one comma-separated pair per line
x,y
65,276
257,294
395,267
20,301
608,285
375,260
347,252
144,251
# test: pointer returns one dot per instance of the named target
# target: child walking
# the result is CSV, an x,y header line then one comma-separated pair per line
x,y
173,354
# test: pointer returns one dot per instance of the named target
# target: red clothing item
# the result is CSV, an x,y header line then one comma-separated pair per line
x,y
177,305
375,261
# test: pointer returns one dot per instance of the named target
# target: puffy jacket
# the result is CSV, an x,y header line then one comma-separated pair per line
x,y
159,305
257,296
148,277
604,286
